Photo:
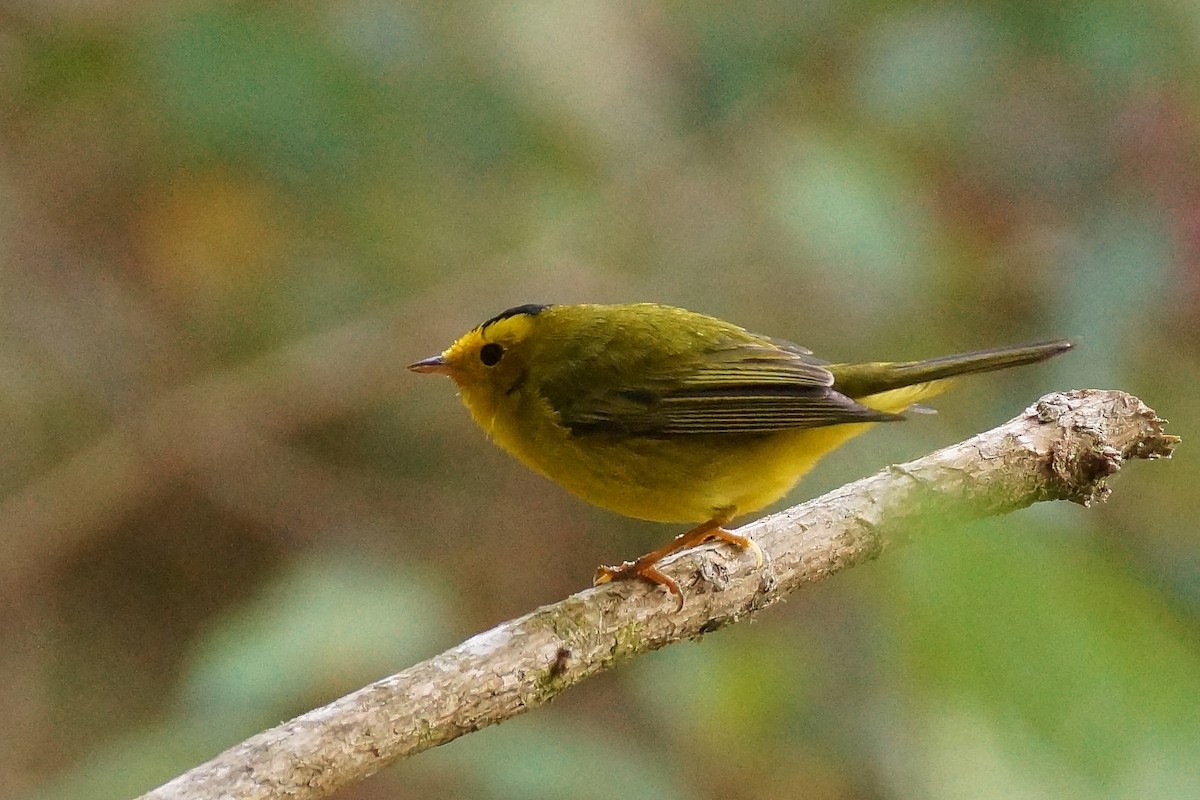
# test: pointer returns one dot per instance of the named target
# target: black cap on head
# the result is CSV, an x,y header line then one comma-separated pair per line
x,y
531,309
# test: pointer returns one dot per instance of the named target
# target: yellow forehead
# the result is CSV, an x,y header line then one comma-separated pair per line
x,y
503,330
508,329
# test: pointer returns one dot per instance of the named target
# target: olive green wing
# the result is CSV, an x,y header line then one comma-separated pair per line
x,y
756,386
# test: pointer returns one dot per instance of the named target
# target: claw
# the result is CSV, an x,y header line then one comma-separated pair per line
x,y
647,569
634,569
605,574
744,542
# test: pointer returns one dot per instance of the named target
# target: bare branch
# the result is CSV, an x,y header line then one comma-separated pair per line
x,y
1064,447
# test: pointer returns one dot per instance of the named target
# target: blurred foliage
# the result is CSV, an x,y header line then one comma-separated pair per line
x,y
228,225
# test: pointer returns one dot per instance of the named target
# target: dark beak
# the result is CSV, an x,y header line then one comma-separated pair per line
x,y
433,364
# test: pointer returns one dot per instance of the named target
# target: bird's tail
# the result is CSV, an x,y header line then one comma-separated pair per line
x,y
863,380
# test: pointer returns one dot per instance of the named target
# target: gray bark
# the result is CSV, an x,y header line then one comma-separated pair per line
x,y
1064,447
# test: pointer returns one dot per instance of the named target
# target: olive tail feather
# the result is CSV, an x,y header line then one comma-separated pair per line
x,y
861,380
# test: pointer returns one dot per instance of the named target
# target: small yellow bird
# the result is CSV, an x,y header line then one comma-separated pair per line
x,y
668,415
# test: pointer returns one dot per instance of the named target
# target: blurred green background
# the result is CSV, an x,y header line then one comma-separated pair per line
x,y
226,228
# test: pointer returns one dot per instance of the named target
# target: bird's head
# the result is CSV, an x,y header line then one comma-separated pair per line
x,y
491,361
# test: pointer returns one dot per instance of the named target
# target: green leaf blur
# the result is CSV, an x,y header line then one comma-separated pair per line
x,y
227,226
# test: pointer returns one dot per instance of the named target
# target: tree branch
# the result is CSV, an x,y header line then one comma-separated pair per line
x,y
1064,447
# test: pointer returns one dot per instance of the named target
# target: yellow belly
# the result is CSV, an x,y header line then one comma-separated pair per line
x,y
687,479
694,479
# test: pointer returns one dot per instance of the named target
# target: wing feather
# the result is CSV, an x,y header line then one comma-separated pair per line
x,y
756,385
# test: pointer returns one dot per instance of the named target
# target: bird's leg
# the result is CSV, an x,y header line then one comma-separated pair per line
x,y
646,566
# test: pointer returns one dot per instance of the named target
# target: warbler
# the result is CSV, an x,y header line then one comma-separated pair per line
x,y
668,415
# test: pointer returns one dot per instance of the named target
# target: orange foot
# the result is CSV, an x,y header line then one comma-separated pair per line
x,y
646,567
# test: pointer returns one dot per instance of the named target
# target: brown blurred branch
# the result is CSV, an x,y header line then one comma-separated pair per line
x,y
1064,447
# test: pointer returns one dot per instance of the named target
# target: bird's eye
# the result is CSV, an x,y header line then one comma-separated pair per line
x,y
490,354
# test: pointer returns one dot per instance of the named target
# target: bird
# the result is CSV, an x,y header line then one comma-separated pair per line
x,y
669,415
